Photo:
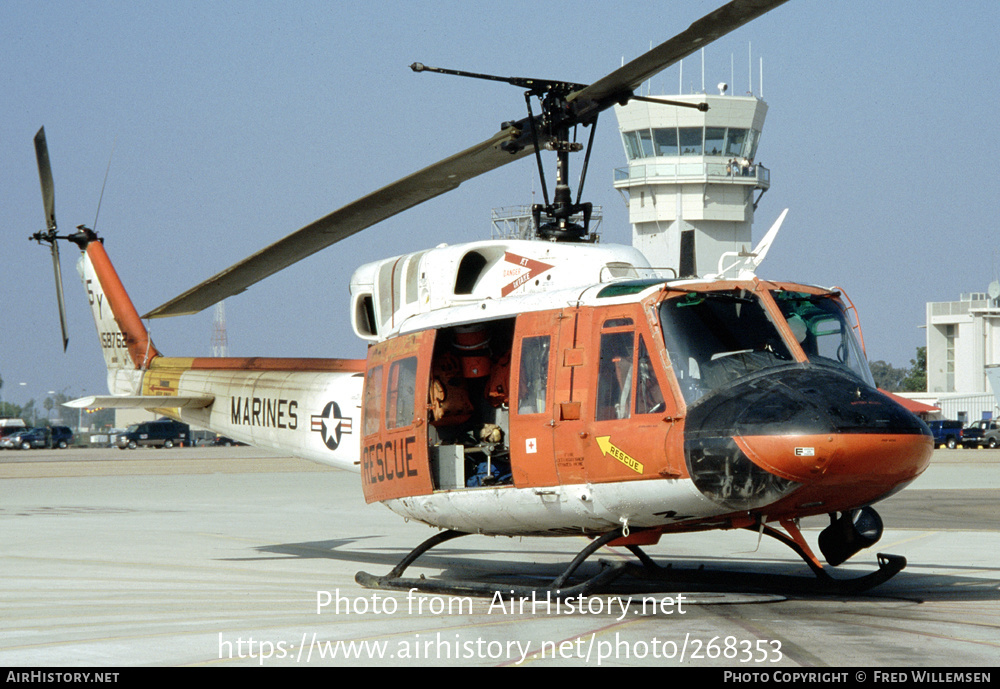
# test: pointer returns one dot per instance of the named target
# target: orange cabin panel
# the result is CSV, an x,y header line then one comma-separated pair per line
x,y
628,416
394,456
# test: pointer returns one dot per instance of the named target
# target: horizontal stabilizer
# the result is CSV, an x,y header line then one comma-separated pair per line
x,y
140,402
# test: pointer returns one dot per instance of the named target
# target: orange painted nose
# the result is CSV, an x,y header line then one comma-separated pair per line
x,y
847,468
811,431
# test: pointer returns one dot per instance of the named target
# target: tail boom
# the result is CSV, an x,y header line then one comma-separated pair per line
x,y
309,408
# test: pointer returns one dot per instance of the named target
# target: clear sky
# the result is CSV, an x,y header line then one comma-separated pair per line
x,y
236,123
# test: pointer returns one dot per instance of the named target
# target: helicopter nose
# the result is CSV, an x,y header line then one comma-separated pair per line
x,y
825,436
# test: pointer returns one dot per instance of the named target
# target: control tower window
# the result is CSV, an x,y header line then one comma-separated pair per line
x,y
734,142
751,148
646,141
691,140
632,149
715,138
665,141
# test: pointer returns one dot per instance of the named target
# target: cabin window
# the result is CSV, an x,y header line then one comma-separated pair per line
x,y
614,383
373,400
402,393
533,382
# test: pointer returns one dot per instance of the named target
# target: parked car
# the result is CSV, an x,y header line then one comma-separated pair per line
x,y
989,433
56,436
60,436
162,433
12,441
972,436
946,432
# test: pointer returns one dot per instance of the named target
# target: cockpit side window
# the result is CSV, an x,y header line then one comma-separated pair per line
x,y
648,396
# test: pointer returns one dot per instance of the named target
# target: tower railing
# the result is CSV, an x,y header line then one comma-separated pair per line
x,y
758,175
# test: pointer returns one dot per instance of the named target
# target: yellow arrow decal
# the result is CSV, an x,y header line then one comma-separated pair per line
x,y
608,448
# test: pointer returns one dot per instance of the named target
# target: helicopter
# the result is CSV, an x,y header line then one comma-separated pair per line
x,y
547,387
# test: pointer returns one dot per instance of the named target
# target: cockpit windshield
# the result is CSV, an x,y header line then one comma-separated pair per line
x,y
713,338
821,327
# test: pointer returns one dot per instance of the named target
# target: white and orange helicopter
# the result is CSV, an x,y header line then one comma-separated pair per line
x,y
548,387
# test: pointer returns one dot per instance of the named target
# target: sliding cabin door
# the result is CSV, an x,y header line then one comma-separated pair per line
x,y
394,457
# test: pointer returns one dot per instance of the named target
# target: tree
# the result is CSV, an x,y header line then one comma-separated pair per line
x,y
916,380
887,377
29,414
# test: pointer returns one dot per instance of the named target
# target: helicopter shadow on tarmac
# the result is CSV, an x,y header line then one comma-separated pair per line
x,y
526,568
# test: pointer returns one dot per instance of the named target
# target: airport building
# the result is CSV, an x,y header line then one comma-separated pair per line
x,y
963,344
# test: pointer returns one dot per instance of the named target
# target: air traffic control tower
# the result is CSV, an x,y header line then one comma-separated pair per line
x,y
692,180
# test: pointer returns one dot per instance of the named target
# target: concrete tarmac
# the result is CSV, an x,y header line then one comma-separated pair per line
x,y
234,557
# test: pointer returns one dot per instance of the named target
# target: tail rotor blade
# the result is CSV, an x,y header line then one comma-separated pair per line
x,y
59,293
49,201
45,175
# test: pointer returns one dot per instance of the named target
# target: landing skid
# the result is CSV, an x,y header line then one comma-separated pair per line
x,y
888,565
395,581
648,570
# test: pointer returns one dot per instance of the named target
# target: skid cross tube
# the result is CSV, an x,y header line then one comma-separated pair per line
x,y
395,581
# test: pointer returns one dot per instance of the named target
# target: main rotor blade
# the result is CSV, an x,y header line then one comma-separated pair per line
x,y
624,80
45,175
59,293
352,218
449,173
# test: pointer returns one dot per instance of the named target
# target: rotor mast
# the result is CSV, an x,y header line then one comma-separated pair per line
x,y
549,130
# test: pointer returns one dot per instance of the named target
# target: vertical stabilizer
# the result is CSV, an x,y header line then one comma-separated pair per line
x,y
124,340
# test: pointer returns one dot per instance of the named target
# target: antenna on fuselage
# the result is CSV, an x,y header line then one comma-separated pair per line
x,y
748,266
